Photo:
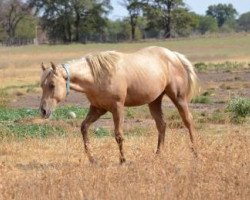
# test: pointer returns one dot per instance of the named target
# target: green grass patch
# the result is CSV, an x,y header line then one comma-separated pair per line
x,y
239,109
101,132
13,123
201,99
19,130
9,114
63,112
227,66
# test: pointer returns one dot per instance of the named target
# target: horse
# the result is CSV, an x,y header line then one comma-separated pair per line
x,y
113,80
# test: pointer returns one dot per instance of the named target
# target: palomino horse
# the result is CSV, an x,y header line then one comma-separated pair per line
x,y
113,80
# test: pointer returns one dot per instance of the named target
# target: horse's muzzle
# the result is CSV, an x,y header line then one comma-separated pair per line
x,y
45,113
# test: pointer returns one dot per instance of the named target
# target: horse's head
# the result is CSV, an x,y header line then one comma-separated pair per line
x,y
54,90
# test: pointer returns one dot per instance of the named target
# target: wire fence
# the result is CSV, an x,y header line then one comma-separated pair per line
x,y
17,41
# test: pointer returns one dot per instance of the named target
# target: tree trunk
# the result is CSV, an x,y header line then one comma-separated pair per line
x,y
77,26
168,22
133,26
69,31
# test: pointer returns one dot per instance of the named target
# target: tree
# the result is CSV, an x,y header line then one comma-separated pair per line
x,y
244,21
134,8
160,12
222,13
68,20
184,22
207,24
11,14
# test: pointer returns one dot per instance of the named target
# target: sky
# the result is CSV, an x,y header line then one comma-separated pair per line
x,y
198,6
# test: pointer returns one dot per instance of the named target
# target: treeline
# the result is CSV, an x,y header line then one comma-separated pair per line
x,y
87,20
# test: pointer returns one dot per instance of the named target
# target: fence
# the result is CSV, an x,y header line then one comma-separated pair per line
x,y
17,41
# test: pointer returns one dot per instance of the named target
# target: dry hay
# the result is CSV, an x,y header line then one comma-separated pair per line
x,y
56,168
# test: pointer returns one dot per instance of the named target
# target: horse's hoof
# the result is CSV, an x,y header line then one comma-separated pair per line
x,y
158,152
194,152
92,161
122,160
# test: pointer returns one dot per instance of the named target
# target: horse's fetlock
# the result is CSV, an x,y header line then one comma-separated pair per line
x,y
119,138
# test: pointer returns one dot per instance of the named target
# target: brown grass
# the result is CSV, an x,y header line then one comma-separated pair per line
x,y
57,168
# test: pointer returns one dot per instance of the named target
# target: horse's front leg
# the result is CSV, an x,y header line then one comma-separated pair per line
x,y
118,117
93,114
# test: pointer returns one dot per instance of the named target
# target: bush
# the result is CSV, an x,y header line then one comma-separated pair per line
x,y
239,108
200,67
201,99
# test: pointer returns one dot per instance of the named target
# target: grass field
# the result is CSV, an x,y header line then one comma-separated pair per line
x,y
44,159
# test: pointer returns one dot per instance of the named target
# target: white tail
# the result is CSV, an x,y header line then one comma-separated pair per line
x,y
192,77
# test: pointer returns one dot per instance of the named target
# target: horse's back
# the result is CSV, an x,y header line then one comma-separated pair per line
x,y
146,74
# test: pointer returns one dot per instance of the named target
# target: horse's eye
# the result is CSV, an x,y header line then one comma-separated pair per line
x,y
51,86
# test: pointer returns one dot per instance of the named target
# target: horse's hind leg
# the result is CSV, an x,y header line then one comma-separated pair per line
x,y
118,117
93,114
181,103
156,112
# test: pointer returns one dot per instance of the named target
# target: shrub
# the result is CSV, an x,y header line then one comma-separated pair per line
x,y
200,67
201,99
239,108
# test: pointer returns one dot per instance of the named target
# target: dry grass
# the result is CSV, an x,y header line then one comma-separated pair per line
x,y
56,168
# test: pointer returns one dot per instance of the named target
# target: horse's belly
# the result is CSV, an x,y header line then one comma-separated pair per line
x,y
144,95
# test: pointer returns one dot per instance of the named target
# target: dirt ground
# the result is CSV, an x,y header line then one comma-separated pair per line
x,y
220,85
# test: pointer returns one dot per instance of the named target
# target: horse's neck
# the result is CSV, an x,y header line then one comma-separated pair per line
x,y
80,76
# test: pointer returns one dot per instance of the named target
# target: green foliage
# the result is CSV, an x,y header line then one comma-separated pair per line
x,y
3,34
207,24
134,8
244,21
222,13
26,28
183,22
72,20
12,12
201,99
229,26
160,14
201,66
239,108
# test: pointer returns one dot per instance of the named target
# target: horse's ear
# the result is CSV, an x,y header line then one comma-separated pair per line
x,y
53,66
43,67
